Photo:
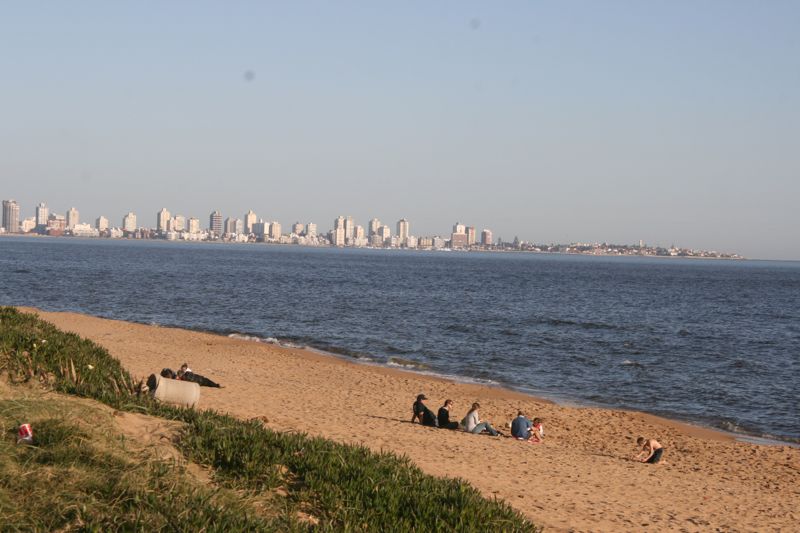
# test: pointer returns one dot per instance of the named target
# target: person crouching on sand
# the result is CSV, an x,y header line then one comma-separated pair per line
x,y
421,412
444,416
474,424
650,452
521,427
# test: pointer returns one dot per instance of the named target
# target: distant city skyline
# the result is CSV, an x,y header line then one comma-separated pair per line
x,y
345,232
562,122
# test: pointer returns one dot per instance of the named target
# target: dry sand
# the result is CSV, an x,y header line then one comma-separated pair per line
x,y
581,479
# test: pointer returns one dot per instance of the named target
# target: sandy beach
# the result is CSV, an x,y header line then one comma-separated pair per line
x,y
581,478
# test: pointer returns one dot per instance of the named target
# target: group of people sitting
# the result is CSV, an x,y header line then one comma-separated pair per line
x,y
185,374
521,427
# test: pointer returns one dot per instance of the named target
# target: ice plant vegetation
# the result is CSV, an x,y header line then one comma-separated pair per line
x,y
259,479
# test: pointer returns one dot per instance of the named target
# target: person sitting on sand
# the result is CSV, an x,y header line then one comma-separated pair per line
x,y
521,427
186,374
444,416
650,452
538,429
474,424
421,412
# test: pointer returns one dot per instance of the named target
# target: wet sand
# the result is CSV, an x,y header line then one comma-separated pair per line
x,y
581,478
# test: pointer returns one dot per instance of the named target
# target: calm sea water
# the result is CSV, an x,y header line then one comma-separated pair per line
x,y
705,341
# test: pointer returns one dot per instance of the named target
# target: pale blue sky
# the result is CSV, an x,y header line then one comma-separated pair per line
x,y
563,121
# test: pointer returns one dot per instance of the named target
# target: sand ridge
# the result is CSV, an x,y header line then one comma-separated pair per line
x,y
580,479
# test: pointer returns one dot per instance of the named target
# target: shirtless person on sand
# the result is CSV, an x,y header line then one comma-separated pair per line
x,y
650,452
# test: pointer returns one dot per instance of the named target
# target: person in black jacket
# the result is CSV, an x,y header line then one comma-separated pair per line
x,y
421,412
186,374
444,416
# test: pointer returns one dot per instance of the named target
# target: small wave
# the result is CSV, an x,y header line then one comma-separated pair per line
x,y
295,346
458,328
22,271
751,435
335,350
407,363
634,364
733,427
253,338
574,323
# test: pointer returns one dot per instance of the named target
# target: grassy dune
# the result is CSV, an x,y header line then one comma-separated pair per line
x,y
260,479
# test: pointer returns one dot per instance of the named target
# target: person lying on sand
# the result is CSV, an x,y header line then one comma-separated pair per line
x,y
186,374
444,416
650,452
474,424
421,412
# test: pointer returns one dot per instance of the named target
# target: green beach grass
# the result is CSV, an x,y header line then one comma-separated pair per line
x,y
260,479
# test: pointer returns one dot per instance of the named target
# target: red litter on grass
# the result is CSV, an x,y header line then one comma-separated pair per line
x,y
25,434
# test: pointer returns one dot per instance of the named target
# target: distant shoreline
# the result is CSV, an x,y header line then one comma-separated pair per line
x,y
330,246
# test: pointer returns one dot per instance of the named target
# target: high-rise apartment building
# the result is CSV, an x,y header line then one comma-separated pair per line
x,y
129,223
231,225
297,228
261,230
101,223
250,218
238,227
311,230
486,237
73,218
349,229
193,225
402,231
11,216
472,235
338,234
162,220
385,234
275,230
338,224
42,214
374,226
458,239
177,223
215,223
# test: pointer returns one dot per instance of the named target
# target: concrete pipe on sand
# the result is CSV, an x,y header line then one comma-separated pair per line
x,y
174,391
